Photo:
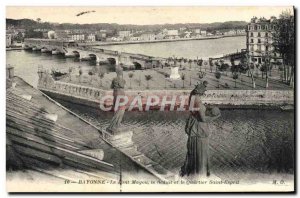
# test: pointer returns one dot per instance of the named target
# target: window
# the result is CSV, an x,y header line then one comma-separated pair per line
x,y
258,34
259,41
267,34
267,48
251,34
259,47
252,41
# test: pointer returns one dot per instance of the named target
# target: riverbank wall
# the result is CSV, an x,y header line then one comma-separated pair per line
x,y
94,97
155,41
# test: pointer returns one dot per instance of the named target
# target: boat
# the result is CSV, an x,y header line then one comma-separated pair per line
x,y
69,55
54,52
44,50
287,107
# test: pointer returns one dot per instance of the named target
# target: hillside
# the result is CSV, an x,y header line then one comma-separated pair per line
x,y
31,24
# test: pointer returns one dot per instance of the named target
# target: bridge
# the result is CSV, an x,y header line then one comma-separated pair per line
x,y
71,49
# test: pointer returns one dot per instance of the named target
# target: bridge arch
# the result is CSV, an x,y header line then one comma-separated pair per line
x,y
137,66
93,57
76,53
112,61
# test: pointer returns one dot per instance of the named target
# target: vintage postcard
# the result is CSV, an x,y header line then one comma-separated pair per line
x,y
150,99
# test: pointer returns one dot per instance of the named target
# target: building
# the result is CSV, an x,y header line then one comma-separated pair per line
x,y
124,34
90,37
101,35
8,40
230,33
241,32
147,37
187,34
197,31
62,34
77,37
203,32
172,34
160,36
259,40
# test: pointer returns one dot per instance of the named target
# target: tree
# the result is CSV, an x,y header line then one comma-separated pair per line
x,y
101,76
200,62
80,73
38,20
19,37
218,76
148,77
190,63
251,71
166,76
263,69
235,76
182,78
284,43
130,75
224,67
70,73
201,75
217,64
91,74
210,64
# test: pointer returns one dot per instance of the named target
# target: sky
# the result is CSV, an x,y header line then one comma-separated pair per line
x,y
143,15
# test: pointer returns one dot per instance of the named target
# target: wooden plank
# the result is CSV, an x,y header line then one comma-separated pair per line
x,y
13,106
37,124
37,154
31,126
25,126
44,136
29,143
30,136
49,148
90,168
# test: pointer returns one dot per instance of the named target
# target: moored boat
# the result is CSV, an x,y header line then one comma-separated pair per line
x,y
54,52
44,50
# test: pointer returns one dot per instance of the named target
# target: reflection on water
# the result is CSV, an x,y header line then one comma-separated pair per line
x,y
242,140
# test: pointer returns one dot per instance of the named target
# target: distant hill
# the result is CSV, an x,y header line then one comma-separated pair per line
x,y
31,24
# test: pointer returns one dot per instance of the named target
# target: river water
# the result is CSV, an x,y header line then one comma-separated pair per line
x,y
241,140
188,49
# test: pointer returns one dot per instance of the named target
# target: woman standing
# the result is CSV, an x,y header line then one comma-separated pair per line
x,y
197,129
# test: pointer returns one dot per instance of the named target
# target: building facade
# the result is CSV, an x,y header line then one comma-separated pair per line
x,y
77,37
8,40
124,34
259,40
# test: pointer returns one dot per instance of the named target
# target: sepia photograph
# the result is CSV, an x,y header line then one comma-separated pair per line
x,y
137,99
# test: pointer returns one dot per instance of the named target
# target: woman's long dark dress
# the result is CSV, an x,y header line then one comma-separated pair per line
x,y
197,158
